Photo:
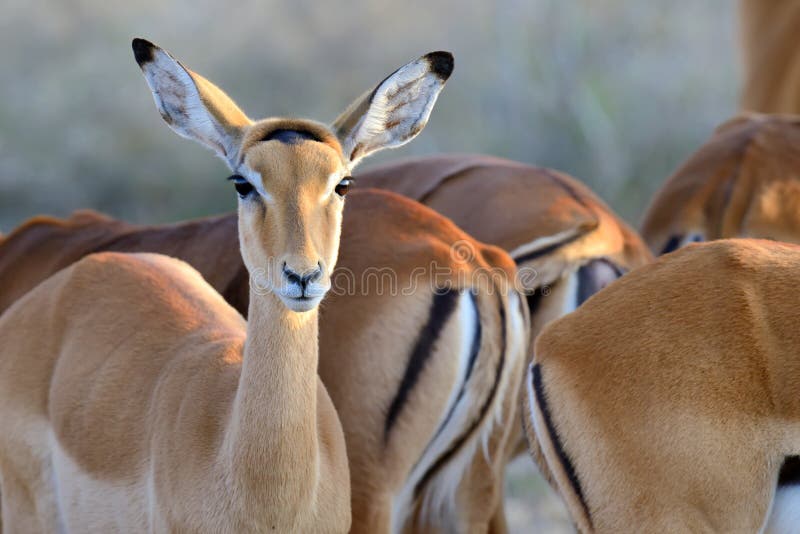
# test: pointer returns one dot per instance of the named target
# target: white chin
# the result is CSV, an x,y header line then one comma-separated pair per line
x,y
301,304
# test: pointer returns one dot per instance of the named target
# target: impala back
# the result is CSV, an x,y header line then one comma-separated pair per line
x,y
566,242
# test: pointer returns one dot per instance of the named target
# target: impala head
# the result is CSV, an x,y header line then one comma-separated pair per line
x,y
291,175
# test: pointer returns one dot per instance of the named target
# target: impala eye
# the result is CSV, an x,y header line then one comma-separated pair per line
x,y
243,187
343,186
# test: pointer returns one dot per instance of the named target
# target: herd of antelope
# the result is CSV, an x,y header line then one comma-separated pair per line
x,y
212,376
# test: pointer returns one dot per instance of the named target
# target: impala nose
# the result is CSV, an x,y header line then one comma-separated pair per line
x,y
304,278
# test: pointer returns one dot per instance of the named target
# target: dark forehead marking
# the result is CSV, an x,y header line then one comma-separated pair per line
x,y
290,137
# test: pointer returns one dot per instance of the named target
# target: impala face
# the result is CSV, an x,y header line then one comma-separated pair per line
x,y
291,175
291,185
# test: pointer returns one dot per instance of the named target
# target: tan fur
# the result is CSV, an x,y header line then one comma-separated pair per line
x,y
365,337
768,35
415,236
680,420
164,416
744,182
513,205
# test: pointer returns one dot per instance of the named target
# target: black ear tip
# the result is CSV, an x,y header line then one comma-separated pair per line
x,y
143,50
441,64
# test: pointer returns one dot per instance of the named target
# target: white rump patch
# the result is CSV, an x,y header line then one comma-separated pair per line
x,y
569,301
785,515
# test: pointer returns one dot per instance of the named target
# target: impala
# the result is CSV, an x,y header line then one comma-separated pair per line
x,y
565,241
744,182
424,383
669,401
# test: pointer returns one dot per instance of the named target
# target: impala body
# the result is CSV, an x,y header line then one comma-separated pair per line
x,y
743,182
424,382
682,419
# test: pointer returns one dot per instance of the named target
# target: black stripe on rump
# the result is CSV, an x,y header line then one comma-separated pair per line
x,y
442,307
563,457
473,355
458,443
790,471
547,250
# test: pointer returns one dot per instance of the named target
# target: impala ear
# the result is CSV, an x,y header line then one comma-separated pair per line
x,y
193,107
396,110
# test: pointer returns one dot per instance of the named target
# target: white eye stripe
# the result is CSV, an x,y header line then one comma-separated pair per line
x,y
333,179
255,180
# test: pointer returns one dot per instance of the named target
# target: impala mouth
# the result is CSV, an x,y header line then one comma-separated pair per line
x,y
302,303
299,297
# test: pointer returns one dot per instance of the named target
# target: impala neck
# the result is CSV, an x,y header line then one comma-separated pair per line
x,y
281,350
272,438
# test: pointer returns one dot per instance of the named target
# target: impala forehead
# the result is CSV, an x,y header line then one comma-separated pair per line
x,y
277,168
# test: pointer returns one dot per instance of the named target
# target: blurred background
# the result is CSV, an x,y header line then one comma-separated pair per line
x,y
615,92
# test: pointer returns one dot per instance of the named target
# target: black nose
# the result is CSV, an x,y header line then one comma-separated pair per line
x,y
302,279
